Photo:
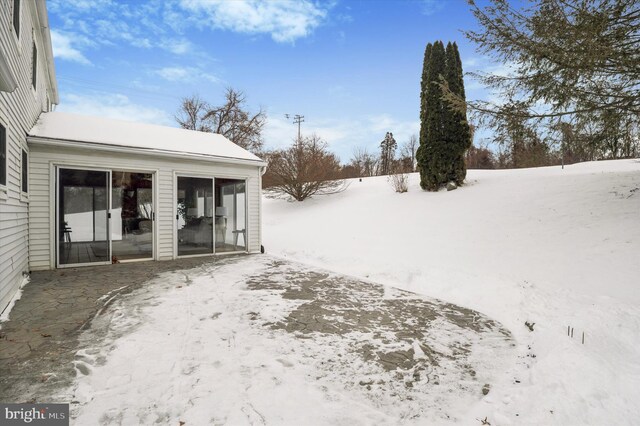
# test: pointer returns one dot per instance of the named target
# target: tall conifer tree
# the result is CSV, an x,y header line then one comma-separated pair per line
x,y
458,134
431,158
444,131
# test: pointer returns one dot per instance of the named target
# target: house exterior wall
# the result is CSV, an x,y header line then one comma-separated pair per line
x,y
42,214
19,110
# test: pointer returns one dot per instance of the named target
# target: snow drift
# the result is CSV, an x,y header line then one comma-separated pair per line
x,y
556,248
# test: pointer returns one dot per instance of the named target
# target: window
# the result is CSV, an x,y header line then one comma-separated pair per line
x,y
34,65
16,17
25,164
3,155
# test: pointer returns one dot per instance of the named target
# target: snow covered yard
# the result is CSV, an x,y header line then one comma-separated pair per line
x,y
558,248
266,340
256,340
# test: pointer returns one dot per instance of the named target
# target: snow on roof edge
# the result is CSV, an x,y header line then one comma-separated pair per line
x,y
112,147
83,129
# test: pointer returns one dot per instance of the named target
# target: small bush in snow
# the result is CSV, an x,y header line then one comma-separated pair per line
x,y
399,182
305,169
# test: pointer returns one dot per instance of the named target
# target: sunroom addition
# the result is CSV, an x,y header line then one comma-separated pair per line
x,y
107,191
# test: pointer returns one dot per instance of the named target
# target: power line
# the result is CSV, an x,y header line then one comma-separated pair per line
x,y
297,119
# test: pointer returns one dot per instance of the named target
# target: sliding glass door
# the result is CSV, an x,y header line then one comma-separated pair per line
x,y
83,217
230,215
132,215
104,216
210,215
195,216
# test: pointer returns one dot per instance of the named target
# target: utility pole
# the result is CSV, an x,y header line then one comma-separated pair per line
x,y
297,119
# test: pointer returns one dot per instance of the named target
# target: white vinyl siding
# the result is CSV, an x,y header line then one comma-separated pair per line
x,y
19,111
44,159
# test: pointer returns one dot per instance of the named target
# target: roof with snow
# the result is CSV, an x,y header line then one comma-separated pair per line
x,y
62,126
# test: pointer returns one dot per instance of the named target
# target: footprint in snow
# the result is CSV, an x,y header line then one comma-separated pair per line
x,y
284,362
82,368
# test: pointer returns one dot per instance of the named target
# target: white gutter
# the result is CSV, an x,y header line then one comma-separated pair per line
x,y
49,142
43,19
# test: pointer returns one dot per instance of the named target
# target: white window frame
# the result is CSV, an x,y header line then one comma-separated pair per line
x,y
56,228
56,165
213,177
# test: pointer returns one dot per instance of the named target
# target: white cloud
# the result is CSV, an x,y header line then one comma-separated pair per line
x,y
429,7
81,5
285,21
115,106
139,24
173,73
186,74
278,133
63,48
402,129
177,46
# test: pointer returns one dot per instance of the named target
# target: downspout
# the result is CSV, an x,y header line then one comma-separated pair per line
x,y
263,169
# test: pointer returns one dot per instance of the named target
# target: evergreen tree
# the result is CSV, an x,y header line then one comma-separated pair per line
x,y
432,154
387,153
444,131
424,83
458,133
423,89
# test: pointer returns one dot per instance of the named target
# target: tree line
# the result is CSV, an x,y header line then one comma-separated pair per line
x,y
573,95
307,167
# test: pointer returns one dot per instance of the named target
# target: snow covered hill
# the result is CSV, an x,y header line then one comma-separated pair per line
x,y
558,248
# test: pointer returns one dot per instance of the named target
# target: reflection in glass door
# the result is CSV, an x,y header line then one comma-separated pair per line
x,y
230,215
195,216
83,217
132,215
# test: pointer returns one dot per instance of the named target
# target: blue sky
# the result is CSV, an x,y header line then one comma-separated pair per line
x,y
352,68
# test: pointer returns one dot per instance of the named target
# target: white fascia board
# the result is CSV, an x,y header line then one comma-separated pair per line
x,y
35,140
43,27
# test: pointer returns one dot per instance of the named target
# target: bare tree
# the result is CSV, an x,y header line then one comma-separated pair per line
x,y
191,113
305,169
408,150
231,120
479,157
364,161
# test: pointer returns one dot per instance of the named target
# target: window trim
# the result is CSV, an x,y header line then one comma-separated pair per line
x,y
34,65
3,186
17,4
24,174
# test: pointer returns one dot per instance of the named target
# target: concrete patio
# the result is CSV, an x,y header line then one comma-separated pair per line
x,y
41,336
387,346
